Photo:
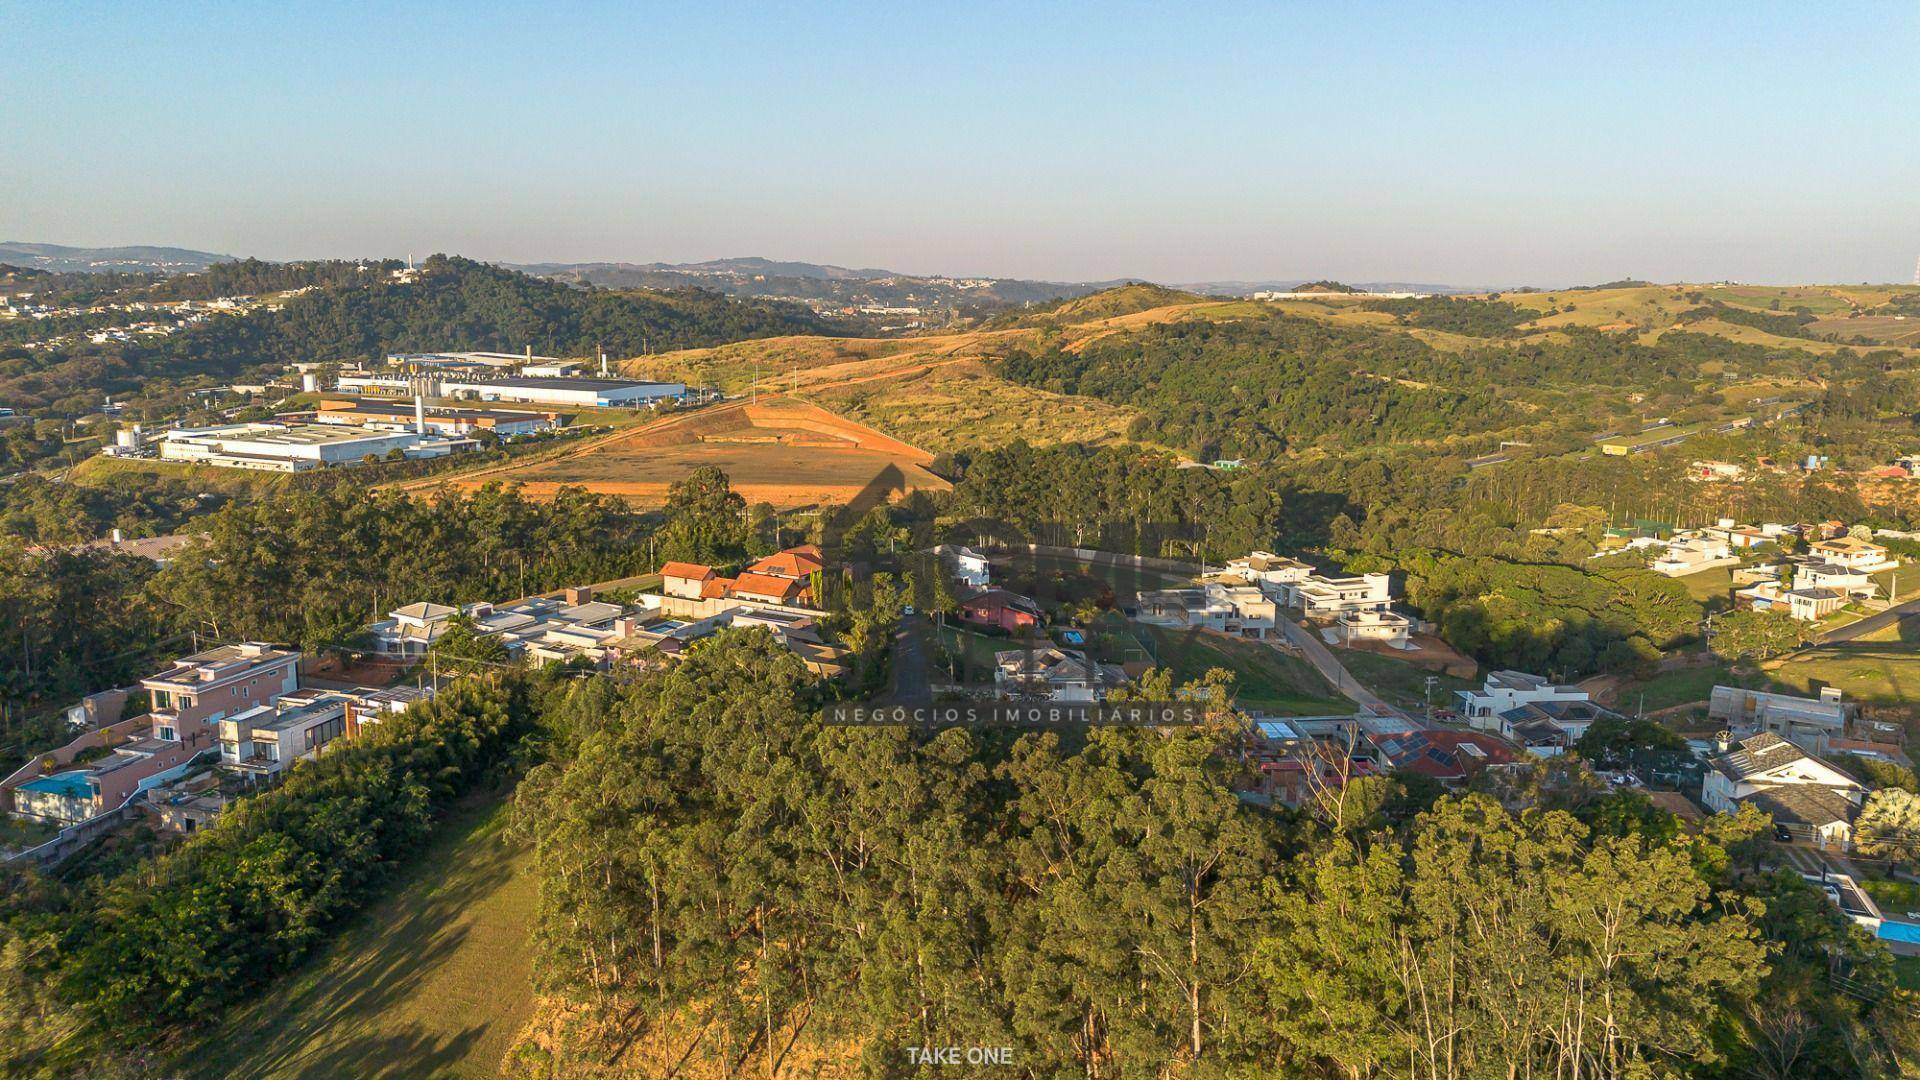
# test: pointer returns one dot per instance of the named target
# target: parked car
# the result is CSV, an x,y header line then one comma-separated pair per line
x,y
1783,834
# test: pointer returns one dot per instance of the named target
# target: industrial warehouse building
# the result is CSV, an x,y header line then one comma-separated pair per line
x,y
274,447
364,382
563,391
440,420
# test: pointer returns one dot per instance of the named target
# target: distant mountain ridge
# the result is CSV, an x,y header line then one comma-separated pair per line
x,y
1248,288
86,260
751,275
748,265
831,290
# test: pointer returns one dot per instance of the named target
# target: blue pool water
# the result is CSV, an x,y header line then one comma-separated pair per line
x,y
1899,931
71,784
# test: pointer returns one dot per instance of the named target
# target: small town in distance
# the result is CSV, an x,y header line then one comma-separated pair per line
x,y
761,543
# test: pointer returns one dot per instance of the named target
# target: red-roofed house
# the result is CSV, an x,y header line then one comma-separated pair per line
x,y
766,588
1450,757
998,607
794,562
685,579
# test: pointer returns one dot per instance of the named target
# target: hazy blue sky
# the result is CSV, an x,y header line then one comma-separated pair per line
x,y
1461,143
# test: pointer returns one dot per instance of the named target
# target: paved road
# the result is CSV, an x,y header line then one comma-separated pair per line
x,y
909,679
1868,625
1324,661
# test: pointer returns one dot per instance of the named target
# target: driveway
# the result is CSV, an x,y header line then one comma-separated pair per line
x,y
910,681
1868,625
1329,666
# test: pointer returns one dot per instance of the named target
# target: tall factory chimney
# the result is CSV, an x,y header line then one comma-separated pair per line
x,y
603,363
419,406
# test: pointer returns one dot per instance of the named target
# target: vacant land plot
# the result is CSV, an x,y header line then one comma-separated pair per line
x,y
1880,329
434,981
1882,672
1681,686
786,453
1265,678
1400,682
1715,584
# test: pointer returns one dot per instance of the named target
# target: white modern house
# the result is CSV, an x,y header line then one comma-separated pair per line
x,y
970,567
1264,568
1694,554
1382,625
1862,555
1230,609
1850,580
267,739
1806,604
1504,691
1326,598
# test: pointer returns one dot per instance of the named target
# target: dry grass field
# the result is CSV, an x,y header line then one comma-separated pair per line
x,y
776,450
1880,329
939,391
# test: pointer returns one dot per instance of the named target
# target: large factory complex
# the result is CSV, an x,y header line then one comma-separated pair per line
x,y
380,424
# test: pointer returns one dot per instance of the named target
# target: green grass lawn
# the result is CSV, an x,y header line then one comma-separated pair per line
x,y
1398,681
1882,672
974,650
1709,584
433,980
1895,898
1265,678
1681,687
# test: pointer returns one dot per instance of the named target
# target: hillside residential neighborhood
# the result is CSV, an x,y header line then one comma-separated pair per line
x,y
239,708
773,543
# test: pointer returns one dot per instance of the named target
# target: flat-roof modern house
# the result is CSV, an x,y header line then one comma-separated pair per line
x,y
1506,690
267,739
605,393
1807,604
1383,625
1692,554
199,690
1325,598
1809,723
103,784
1244,610
1264,566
